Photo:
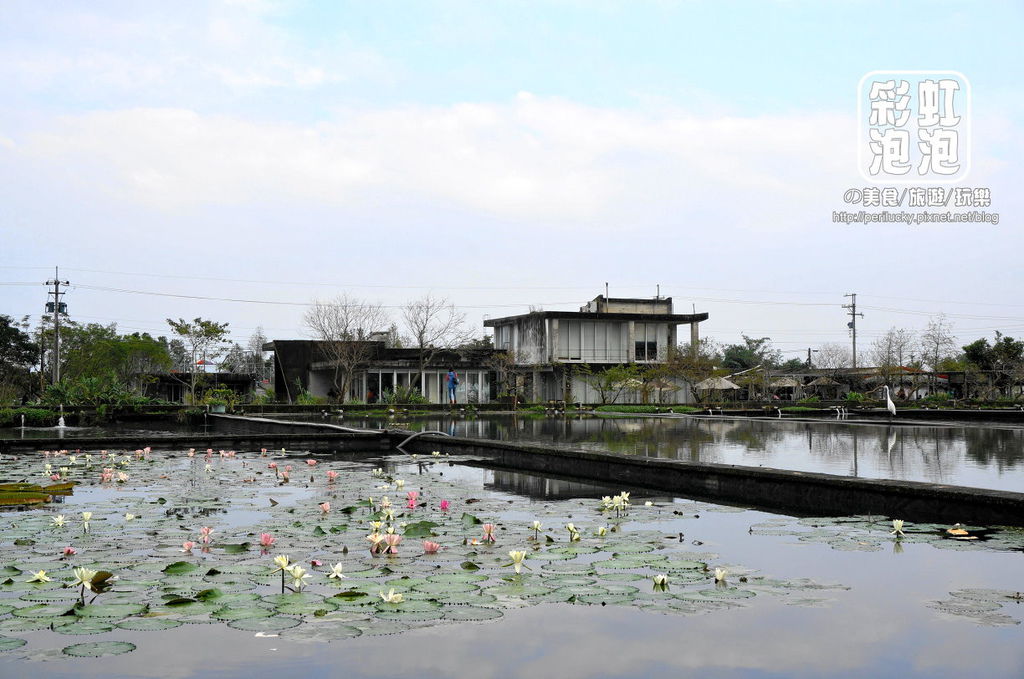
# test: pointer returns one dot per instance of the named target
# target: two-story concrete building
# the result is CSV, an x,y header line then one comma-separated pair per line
x,y
605,332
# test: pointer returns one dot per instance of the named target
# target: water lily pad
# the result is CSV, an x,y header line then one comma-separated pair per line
x,y
109,610
99,649
148,624
241,612
86,626
11,643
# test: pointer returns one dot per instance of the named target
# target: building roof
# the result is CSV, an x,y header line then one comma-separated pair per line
x,y
600,316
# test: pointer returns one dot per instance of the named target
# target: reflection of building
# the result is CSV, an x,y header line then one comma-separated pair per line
x,y
605,332
544,487
303,365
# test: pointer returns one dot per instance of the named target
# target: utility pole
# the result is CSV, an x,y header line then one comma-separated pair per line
x,y
852,325
57,308
809,352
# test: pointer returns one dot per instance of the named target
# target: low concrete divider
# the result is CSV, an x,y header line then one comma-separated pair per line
x,y
786,490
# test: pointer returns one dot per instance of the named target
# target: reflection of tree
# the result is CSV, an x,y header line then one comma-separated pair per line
x,y
1002,447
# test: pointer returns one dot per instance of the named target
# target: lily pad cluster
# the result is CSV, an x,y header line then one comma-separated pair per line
x,y
202,538
875,533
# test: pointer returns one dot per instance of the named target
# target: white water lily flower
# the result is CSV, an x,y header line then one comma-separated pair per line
x,y
39,576
648,504
517,559
897,527
299,575
71,459
661,582
129,516
392,597
601,531
399,484
58,520
536,525
436,453
86,517
83,576
720,574
281,562
336,572
48,467
376,526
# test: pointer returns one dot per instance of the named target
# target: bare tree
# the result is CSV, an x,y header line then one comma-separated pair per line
x,y
937,343
433,324
344,326
891,351
834,357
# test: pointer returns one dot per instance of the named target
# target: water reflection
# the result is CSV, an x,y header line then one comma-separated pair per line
x,y
969,456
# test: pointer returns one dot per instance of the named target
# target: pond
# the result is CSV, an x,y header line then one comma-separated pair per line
x,y
836,597
978,456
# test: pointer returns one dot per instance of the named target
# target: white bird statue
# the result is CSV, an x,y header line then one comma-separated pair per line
x,y
888,403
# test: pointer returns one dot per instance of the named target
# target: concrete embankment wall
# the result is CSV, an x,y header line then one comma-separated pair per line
x,y
795,491
783,490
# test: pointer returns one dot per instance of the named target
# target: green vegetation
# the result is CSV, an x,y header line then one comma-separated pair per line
x,y
855,396
799,409
403,395
645,409
34,417
810,399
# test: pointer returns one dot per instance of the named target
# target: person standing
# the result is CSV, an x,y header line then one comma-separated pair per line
x,y
453,381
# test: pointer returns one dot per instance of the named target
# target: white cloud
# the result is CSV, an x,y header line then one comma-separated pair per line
x,y
531,157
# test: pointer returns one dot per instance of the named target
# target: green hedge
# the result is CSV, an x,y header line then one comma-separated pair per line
x,y
34,417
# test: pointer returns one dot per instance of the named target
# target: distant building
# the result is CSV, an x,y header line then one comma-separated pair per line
x,y
304,365
606,331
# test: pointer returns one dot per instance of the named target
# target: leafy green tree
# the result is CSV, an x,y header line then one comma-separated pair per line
x,y
611,382
203,340
692,364
18,353
750,354
1003,359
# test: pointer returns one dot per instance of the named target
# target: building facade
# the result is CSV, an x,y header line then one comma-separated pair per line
x,y
603,333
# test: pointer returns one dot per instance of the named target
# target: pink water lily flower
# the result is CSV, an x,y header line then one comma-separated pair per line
x,y
392,540
311,463
284,476
413,496
331,476
187,546
263,451
55,477
488,532
430,547
325,507
445,505
266,539
69,551
204,534
191,452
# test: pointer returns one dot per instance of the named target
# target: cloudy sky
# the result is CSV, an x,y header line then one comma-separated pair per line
x,y
502,154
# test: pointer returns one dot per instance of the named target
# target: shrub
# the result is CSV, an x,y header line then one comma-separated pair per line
x,y
855,396
403,395
34,417
809,399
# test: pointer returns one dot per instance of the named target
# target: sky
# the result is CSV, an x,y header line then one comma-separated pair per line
x,y
235,160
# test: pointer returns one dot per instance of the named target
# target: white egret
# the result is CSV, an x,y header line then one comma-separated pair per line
x,y
888,402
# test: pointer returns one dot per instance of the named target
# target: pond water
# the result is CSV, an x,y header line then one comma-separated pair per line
x,y
978,456
826,597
